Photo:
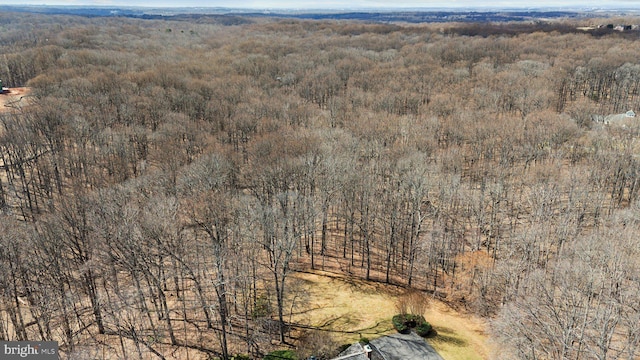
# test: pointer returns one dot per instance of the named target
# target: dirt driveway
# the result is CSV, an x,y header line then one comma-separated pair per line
x,y
15,97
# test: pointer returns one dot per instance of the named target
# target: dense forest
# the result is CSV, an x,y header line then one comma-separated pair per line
x,y
163,180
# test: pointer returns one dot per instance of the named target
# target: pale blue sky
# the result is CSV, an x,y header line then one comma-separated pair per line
x,y
338,4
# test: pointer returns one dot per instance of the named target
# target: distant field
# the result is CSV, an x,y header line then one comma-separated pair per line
x,y
353,308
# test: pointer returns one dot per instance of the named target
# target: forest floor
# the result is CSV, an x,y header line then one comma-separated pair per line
x,y
353,308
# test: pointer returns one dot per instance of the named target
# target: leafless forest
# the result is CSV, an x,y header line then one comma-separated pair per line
x,y
163,180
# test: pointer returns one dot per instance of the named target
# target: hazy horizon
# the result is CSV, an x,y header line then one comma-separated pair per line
x,y
337,4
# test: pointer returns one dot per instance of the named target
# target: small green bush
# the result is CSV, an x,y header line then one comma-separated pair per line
x,y
364,340
241,357
399,323
281,354
423,329
262,307
417,319
405,322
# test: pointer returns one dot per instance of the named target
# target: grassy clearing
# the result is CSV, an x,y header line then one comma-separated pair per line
x,y
460,336
352,308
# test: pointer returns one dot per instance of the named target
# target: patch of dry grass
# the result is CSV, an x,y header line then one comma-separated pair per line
x,y
344,306
352,308
460,336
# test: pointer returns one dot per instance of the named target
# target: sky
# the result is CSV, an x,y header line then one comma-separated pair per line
x,y
338,4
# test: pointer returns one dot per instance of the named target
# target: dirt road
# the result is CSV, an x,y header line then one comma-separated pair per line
x,y
14,98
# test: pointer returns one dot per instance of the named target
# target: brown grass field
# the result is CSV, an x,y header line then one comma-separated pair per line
x,y
353,308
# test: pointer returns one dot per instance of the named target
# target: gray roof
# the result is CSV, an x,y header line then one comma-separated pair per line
x,y
405,347
353,352
393,347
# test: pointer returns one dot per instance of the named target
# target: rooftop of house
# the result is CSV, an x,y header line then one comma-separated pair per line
x,y
354,352
392,347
